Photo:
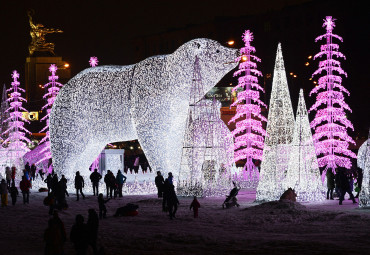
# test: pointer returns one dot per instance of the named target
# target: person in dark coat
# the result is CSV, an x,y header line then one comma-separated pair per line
x,y
4,193
8,175
79,235
170,178
172,202
79,184
330,184
195,205
49,181
60,225
95,178
13,193
33,172
54,182
92,227
60,195
344,186
102,207
159,181
112,184
53,239
107,181
27,167
64,181
165,192
14,172
25,186
120,180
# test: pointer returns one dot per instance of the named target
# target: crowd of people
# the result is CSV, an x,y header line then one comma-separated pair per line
x,y
166,191
84,235
342,182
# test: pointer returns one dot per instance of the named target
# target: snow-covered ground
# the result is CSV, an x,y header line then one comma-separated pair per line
x,y
270,228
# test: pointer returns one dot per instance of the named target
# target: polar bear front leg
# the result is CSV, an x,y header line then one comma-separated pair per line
x,y
153,144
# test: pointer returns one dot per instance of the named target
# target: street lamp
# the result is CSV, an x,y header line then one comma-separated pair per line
x,y
230,43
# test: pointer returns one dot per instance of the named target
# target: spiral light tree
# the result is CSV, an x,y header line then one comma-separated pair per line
x,y
249,133
53,87
16,141
330,122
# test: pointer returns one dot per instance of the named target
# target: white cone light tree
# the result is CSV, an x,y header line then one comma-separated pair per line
x,y
280,126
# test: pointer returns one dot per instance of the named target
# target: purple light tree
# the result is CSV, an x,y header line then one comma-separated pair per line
x,y
249,133
16,140
330,122
53,87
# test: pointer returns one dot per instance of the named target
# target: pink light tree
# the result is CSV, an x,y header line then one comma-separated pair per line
x,y
16,140
53,87
249,133
330,122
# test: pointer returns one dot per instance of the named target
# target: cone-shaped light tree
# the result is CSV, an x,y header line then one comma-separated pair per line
x,y
16,140
53,87
249,133
303,171
280,126
330,122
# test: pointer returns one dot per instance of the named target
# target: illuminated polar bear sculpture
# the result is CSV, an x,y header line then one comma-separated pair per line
x,y
147,101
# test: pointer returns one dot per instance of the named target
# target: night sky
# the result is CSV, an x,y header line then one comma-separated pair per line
x,y
105,28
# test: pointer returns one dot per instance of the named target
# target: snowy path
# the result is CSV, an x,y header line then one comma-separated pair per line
x,y
272,228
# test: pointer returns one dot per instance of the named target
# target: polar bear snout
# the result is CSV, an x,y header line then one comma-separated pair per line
x,y
235,53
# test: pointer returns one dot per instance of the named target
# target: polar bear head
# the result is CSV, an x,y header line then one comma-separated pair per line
x,y
214,61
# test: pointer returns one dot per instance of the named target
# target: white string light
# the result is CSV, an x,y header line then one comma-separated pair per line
x,y
280,126
303,173
363,162
147,101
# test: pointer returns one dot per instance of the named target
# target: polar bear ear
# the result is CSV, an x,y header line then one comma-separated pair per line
x,y
196,47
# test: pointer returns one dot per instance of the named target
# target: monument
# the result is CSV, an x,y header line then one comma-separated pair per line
x,y
41,56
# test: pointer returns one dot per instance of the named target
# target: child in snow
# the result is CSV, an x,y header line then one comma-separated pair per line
x,y
102,208
13,193
195,205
